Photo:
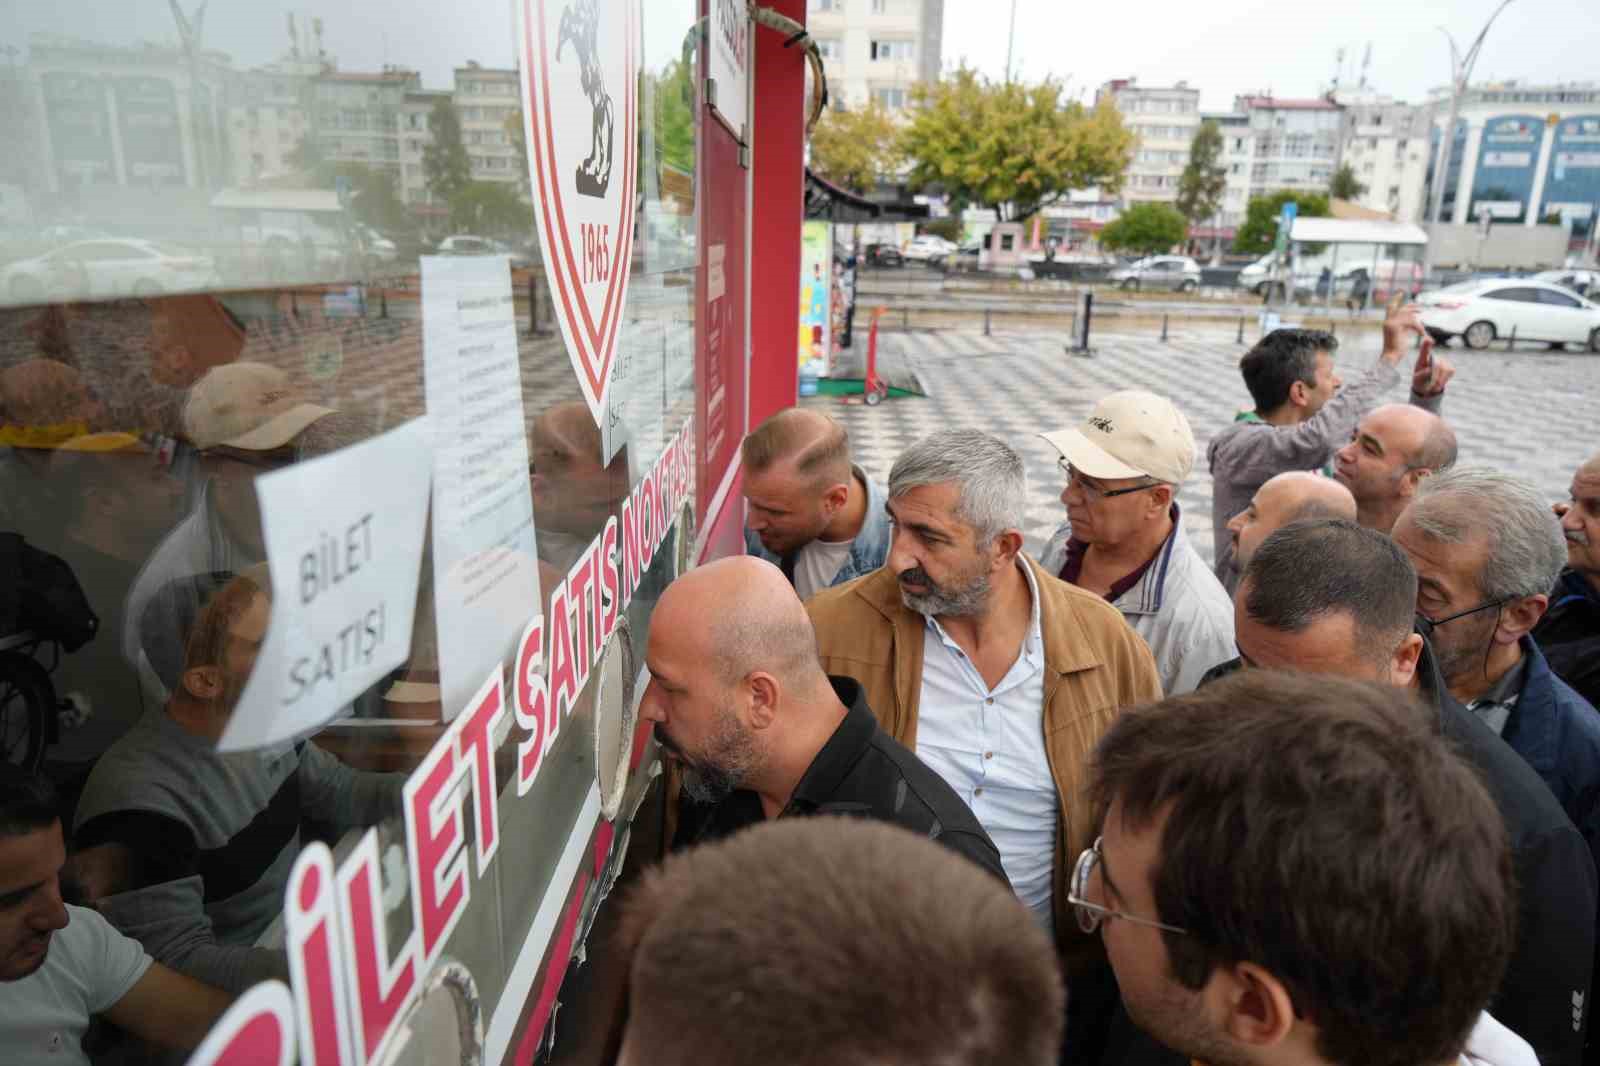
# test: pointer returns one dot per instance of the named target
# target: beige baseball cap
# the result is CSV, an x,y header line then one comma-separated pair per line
x,y
250,406
1130,434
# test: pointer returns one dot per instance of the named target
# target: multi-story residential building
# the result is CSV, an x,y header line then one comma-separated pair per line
x,y
877,49
1386,145
1520,153
357,116
1237,149
416,134
269,118
488,102
1165,121
1294,143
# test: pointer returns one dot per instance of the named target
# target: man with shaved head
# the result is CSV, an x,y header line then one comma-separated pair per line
x,y
740,700
1569,632
812,513
1296,496
1391,451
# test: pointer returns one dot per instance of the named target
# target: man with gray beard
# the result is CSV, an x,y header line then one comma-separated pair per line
x,y
1001,676
739,700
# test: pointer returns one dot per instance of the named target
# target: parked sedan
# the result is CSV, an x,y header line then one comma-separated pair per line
x,y
1175,272
1479,312
884,255
926,247
110,267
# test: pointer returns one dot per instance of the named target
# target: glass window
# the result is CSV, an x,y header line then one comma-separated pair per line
x,y
171,329
1556,299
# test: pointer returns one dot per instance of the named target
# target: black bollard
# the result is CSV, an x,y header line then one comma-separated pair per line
x,y
1511,341
1163,328
383,302
905,319
985,321
1240,338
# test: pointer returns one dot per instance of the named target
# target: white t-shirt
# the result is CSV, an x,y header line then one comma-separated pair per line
x,y
1492,1044
89,968
817,565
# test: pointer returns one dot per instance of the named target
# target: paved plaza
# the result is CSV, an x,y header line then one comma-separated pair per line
x,y
1530,412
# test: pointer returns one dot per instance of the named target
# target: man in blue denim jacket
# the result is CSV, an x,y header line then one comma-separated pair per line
x,y
812,512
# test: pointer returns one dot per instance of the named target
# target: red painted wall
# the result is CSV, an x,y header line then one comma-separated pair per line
x,y
777,198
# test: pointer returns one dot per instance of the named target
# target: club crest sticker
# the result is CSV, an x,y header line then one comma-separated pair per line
x,y
579,103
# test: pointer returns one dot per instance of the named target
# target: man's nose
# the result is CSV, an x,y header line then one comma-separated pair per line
x,y
1236,523
649,706
1571,520
50,913
756,522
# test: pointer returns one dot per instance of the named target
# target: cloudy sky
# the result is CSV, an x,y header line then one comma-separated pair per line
x,y
1226,47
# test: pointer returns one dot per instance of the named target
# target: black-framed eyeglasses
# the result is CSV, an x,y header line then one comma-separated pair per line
x,y
1092,491
1090,915
1428,625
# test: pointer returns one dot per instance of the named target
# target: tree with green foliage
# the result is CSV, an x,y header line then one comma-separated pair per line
x,y
674,106
950,228
445,165
1260,227
1011,147
1205,179
490,209
1149,229
857,148
1345,185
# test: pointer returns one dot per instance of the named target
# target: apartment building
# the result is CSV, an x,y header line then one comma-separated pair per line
x,y
877,49
1294,144
1165,120
1385,143
487,100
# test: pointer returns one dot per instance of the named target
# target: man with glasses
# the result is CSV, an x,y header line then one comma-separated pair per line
x,y
1297,870
1391,451
1569,632
1124,537
1351,615
1487,551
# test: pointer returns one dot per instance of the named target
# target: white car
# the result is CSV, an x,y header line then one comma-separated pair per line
x,y
1583,282
107,268
1176,272
926,246
1479,312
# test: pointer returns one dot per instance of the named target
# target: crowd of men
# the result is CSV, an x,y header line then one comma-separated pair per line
x,y
1332,800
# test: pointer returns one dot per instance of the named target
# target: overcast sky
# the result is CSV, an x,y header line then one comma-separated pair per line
x,y
1227,47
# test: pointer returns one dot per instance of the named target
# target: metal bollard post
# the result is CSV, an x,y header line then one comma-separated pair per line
x,y
1240,338
1333,328
383,304
905,320
1511,341
985,321
1163,328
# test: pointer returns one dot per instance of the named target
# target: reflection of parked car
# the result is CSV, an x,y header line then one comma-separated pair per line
x,y
1480,311
107,268
1175,272
1582,282
884,255
926,246
380,249
465,244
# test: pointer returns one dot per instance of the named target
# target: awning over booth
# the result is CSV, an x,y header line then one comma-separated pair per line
x,y
1355,231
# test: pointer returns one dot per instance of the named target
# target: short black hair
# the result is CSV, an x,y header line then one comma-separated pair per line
x,y
28,802
1307,570
1366,868
1280,359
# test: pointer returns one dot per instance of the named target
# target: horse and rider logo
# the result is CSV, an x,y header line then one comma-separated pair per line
x,y
581,152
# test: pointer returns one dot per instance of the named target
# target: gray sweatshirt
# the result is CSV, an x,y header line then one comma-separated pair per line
x,y
213,837
1247,454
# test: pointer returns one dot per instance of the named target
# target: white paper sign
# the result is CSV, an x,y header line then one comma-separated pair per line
x,y
343,535
485,566
730,63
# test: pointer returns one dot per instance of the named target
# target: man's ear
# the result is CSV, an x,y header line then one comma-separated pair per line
x,y
1411,480
1007,546
764,694
1297,393
1518,617
1161,498
1403,663
836,497
203,682
1257,1011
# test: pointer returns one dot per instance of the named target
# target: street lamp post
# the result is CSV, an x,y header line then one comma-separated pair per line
x,y
1011,39
1460,73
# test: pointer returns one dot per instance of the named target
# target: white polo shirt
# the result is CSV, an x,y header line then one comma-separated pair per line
x,y
988,744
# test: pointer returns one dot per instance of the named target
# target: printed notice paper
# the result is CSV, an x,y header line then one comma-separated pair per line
x,y
485,567
343,535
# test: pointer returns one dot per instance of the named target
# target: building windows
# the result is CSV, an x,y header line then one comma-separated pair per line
x,y
894,99
879,6
826,5
894,50
828,48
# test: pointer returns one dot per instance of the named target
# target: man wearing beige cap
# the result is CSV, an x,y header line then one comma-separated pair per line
x,y
1124,537
242,419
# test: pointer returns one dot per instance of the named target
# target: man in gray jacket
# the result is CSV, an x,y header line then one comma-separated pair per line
x,y
1124,537
1302,416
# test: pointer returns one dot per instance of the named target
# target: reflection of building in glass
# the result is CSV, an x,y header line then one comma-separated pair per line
x,y
269,118
357,116
1521,153
489,101
415,136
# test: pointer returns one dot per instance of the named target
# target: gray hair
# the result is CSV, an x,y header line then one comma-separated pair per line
x,y
1526,549
994,485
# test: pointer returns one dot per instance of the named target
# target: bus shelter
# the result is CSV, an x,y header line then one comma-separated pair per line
x,y
1375,257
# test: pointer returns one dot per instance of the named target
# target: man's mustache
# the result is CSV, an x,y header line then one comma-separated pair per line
x,y
1577,537
916,576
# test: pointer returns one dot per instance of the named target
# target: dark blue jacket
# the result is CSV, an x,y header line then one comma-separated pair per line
x,y
1557,732
1569,634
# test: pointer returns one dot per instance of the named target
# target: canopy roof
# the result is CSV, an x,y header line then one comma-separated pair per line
x,y
1355,231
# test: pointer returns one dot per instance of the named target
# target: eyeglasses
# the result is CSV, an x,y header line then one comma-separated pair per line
x,y
1093,492
1428,625
1090,915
